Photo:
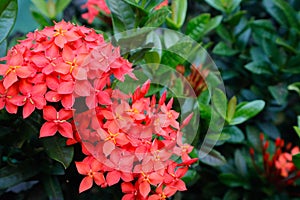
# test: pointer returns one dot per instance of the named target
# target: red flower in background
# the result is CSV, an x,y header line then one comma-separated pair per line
x,y
278,168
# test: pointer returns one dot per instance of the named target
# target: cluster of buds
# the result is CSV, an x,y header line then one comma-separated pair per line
x,y
66,71
278,169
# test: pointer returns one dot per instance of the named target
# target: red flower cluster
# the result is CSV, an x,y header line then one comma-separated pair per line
x,y
94,7
278,169
66,72
44,68
135,139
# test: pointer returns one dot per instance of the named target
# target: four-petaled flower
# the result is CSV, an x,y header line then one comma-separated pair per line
x,y
56,121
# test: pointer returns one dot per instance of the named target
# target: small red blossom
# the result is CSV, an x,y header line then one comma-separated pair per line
x,y
56,121
91,168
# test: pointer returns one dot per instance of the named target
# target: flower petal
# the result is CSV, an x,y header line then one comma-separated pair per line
x,y
86,183
48,129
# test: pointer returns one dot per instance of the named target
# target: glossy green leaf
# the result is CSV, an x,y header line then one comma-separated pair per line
x,y
224,33
8,15
223,50
297,130
295,87
191,177
122,14
286,45
259,67
247,111
212,158
232,180
296,160
42,6
149,5
57,150
275,12
231,108
219,101
152,57
157,18
10,175
40,18
240,163
227,6
61,5
279,93
3,48
202,25
253,133
289,12
236,135
52,187
178,9
232,195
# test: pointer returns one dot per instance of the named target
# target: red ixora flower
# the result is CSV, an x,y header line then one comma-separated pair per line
x,y
56,121
91,168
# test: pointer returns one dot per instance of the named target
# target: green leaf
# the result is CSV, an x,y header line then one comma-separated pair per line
x,y
275,12
253,137
152,4
191,177
3,48
178,8
232,180
240,163
285,45
223,50
152,57
279,93
157,18
212,158
40,18
296,160
224,33
57,150
259,67
52,187
289,12
232,195
61,5
246,111
219,101
295,87
201,25
263,29
236,135
122,15
12,175
231,108
8,15
227,6
42,6
297,130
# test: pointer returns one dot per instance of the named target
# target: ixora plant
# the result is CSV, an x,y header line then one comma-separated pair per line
x,y
132,142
